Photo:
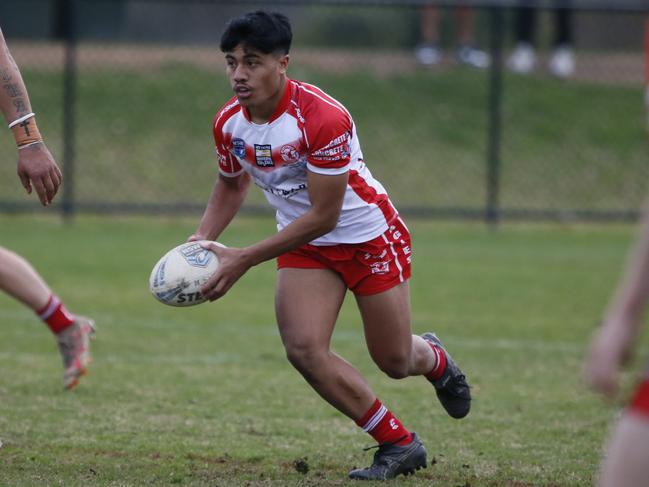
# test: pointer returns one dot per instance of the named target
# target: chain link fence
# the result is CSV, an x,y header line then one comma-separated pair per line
x,y
125,92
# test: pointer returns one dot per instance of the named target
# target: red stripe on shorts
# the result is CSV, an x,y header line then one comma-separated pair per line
x,y
366,268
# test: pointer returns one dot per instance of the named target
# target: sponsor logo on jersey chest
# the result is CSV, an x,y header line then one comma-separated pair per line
x,y
263,155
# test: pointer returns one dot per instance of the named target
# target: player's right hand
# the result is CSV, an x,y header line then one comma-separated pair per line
x,y
609,350
233,263
38,169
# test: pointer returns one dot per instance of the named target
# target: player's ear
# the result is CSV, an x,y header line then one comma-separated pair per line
x,y
283,63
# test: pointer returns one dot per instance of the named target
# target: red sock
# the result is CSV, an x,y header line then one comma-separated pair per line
x,y
379,422
55,315
440,363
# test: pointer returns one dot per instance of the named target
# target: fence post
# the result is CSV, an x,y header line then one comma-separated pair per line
x,y
492,210
68,21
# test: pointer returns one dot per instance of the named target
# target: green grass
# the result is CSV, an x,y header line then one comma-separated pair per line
x,y
144,135
205,396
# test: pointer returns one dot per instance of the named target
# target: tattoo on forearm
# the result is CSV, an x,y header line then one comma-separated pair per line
x,y
25,126
20,106
13,90
5,74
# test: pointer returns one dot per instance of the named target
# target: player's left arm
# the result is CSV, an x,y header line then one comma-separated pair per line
x,y
36,166
326,193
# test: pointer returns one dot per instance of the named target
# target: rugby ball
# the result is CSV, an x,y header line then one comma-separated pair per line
x,y
178,276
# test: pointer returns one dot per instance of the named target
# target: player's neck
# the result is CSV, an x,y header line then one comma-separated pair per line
x,y
263,112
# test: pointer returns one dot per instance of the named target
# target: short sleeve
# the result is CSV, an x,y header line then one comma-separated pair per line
x,y
329,143
228,164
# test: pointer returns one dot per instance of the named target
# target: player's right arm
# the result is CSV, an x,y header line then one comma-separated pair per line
x,y
230,188
227,197
36,166
612,343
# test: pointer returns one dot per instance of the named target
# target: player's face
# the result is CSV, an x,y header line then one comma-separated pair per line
x,y
256,78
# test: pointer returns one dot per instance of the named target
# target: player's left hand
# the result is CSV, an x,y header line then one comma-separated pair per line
x,y
37,168
609,350
195,237
232,265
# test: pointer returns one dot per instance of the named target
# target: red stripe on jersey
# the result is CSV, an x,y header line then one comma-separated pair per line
x,y
227,162
368,194
318,93
327,127
229,109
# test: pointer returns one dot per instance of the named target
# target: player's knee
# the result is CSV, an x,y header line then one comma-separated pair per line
x,y
306,359
396,367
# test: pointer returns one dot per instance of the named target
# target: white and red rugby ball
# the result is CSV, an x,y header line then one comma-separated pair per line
x,y
178,276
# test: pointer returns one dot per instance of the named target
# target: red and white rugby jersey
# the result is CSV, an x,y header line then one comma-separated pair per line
x,y
309,131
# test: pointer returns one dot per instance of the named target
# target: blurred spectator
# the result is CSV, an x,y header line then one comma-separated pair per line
x,y
562,59
428,51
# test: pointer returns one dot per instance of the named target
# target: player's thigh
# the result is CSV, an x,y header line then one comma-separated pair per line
x,y
627,458
307,303
386,322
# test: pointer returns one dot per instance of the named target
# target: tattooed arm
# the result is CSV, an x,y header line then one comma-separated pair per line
x,y
36,166
14,100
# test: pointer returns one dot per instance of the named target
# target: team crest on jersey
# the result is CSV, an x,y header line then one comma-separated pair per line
x,y
239,148
289,153
263,155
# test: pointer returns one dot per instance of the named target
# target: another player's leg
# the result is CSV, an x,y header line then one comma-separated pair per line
x,y
74,346
21,281
427,51
626,462
307,304
399,353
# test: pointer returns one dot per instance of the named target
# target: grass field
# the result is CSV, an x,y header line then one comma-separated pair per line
x,y
205,396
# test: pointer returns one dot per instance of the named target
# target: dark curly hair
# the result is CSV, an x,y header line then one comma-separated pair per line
x,y
264,31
